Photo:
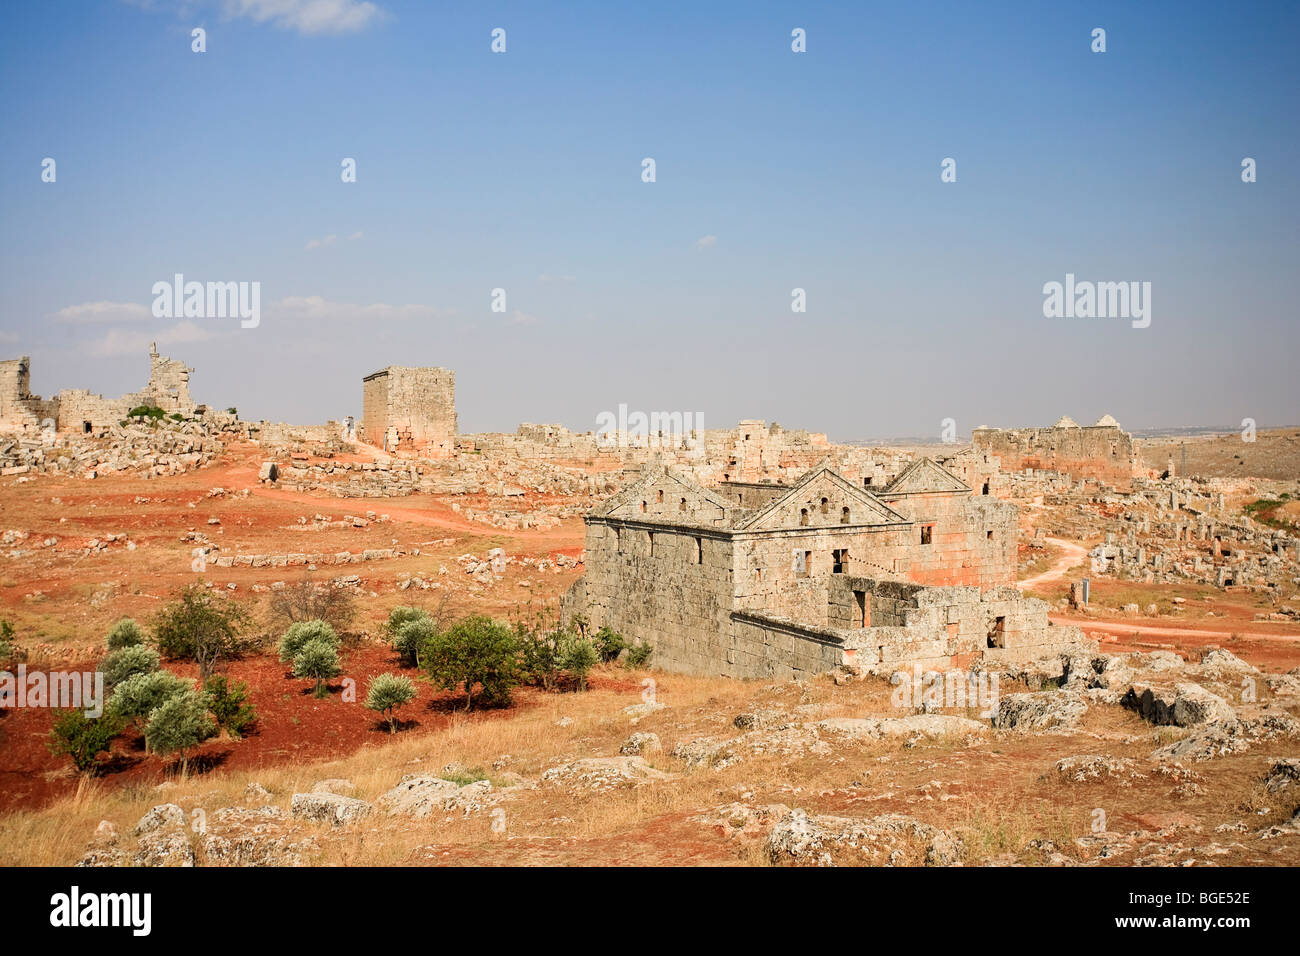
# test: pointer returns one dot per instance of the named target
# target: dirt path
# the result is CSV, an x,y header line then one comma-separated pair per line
x,y
1126,629
1072,555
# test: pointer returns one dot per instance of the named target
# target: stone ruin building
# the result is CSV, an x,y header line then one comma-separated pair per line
x,y
767,580
82,411
410,410
1103,451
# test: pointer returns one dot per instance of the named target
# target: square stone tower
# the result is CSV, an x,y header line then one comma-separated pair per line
x,y
410,410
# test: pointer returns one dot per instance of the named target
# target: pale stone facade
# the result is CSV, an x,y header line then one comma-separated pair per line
x,y
773,581
1103,451
79,410
410,410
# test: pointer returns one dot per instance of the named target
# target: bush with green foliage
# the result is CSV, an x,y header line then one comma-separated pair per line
x,y
580,656
147,411
228,702
638,655
83,738
201,626
6,640
137,697
542,652
125,633
474,651
304,632
127,662
318,660
387,693
406,629
179,724
609,643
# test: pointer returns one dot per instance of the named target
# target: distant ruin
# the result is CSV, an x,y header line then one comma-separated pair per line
x,y
79,410
410,410
1103,451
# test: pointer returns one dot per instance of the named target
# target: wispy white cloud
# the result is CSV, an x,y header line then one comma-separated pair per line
x,y
706,242
131,342
103,311
328,241
308,17
521,318
315,308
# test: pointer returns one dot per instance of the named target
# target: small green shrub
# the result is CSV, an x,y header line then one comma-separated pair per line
x,y
229,705
179,724
125,633
387,693
318,660
83,738
580,656
201,626
147,411
638,655
304,632
609,643
401,615
409,633
137,697
542,650
474,651
127,662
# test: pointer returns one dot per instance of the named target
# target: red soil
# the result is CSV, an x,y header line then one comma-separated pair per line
x,y
292,726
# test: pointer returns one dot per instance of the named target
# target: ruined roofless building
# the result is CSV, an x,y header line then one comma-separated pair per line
x,y
410,410
1102,451
776,581
76,409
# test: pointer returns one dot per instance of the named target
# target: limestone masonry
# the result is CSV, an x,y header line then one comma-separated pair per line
x,y
753,580
1103,450
79,410
410,410
753,551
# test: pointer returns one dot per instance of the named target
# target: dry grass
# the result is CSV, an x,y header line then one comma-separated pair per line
x,y
995,792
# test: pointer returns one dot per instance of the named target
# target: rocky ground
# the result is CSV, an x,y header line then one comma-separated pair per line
x,y
1176,744
1131,759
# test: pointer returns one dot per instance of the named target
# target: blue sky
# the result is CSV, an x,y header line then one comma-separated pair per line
x,y
775,170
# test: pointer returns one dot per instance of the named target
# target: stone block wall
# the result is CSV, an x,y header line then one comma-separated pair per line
x,y
19,408
972,540
79,410
1104,452
669,588
410,409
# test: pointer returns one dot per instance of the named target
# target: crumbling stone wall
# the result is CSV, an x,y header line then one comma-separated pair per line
x,y
720,588
895,622
82,411
971,540
410,410
1103,451
19,408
